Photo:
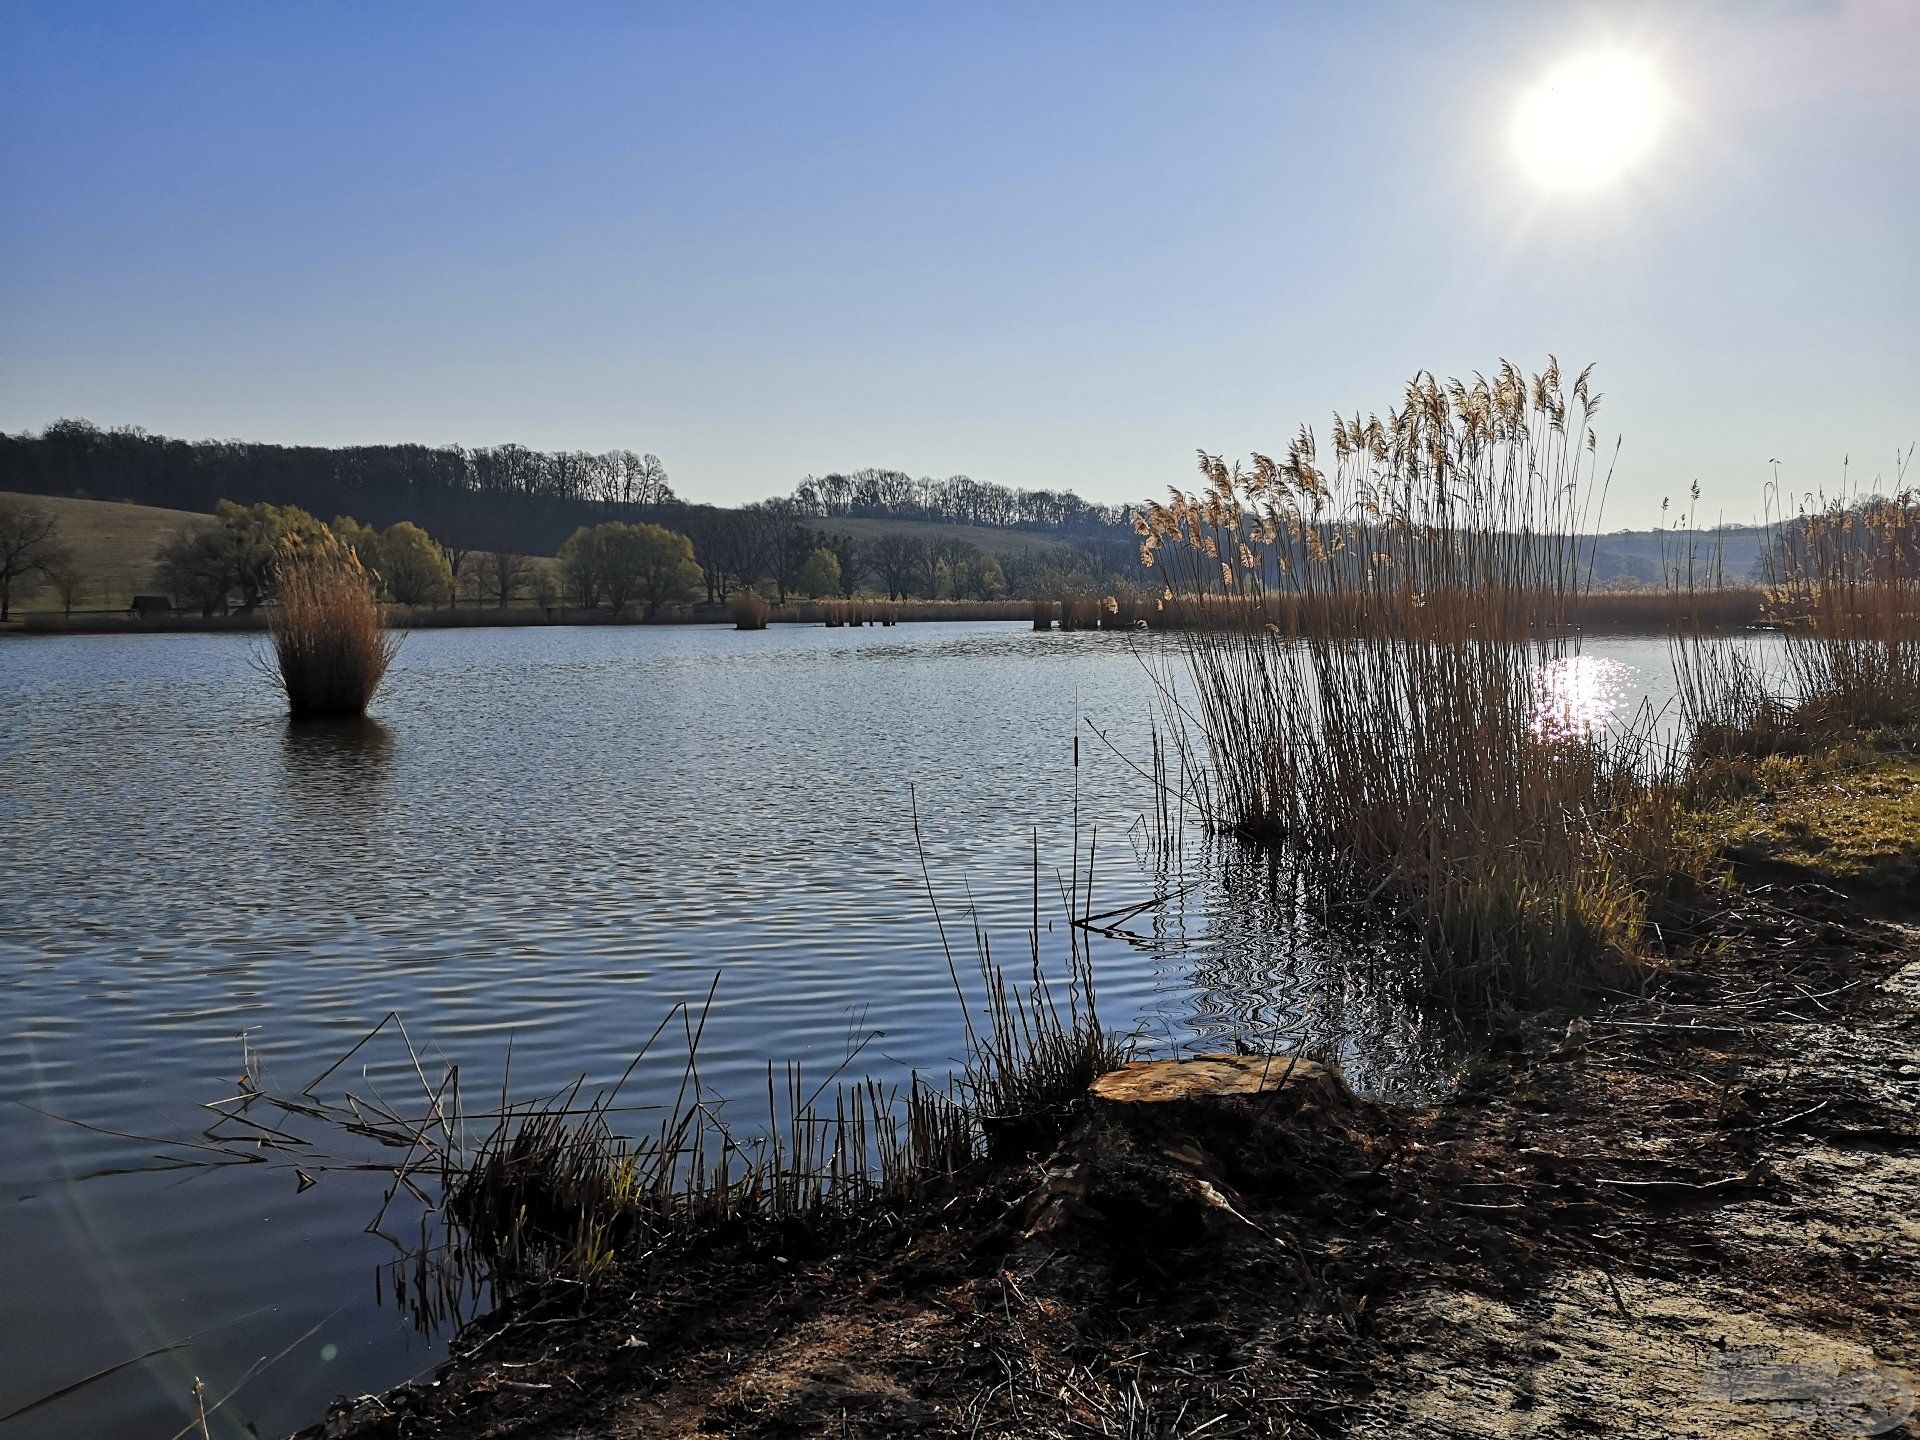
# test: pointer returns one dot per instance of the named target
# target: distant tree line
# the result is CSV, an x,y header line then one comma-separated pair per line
x,y
956,500
486,510
478,498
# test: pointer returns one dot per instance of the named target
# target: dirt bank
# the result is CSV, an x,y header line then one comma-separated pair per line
x,y
1685,1213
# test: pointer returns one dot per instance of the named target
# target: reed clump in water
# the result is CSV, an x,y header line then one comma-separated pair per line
x,y
1080,612
331,645
750,612
1367,655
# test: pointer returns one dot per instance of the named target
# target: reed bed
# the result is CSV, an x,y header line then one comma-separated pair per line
x,y
1655,610
1043,614
749,611
1367,647
1846,582
895,612
1843,587
331,646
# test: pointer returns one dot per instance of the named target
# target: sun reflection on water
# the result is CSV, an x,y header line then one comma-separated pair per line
x,y
1577,697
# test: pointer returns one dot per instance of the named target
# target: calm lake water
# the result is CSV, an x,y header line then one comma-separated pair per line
x,y
552,836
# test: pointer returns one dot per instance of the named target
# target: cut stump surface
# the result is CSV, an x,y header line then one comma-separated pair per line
x,y
1158,1082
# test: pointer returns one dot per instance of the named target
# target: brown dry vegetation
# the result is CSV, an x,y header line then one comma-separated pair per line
x,y
749,611
1654,610
1366,643
1844,589
331,646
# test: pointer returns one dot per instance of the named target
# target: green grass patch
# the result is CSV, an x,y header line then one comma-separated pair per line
x,y
1850,816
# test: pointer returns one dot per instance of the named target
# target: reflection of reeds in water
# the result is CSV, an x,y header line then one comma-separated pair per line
x,y
331,645
1284,968
1386,734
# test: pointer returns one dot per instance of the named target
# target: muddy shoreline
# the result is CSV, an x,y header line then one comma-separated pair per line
x,y
1684,1212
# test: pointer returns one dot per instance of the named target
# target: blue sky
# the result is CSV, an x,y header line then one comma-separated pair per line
x,y
1038,244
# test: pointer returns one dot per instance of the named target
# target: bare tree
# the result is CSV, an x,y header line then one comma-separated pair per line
x,y
734,547
505,574
749,542
29,545
69,583
789,543
462,553
898,560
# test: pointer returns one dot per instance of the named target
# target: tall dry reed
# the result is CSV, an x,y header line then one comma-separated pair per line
x,y
331,645
1843,586
1367,658
1846,584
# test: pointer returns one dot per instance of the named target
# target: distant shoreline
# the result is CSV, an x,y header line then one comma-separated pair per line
x,y
1601,612
519,617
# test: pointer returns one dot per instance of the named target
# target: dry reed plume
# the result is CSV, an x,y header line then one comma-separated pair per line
x,y
1367,656
330,641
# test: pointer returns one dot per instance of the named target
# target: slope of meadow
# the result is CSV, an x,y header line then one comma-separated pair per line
x,y
114,543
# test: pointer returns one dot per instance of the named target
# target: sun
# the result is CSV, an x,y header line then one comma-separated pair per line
x,y
1589,121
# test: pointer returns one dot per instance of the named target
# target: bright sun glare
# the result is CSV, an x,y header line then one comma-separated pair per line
x,y
1588,121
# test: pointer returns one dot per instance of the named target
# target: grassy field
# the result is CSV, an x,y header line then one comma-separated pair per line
x,y
1004,543
113,542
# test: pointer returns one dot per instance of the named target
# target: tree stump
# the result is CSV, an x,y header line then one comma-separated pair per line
x,y
1169,1147
1208,1078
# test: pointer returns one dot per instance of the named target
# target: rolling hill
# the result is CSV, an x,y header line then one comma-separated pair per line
x,y
114,543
